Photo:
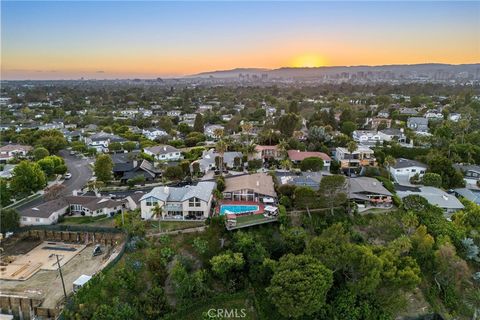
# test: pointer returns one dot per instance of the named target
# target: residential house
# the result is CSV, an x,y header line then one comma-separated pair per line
x,y
44,214
51,126
362,157
154,133
471,173
227,117
210,130
204,108
383,114
101,140
256,187
164,153
397,135
129,113
10,151
369,192
435,196
70,136
367,137
404,169
207,162
183,203
125,171
297,156
267,152
374,123
408,111
470,194
455,117
303,179
189,116
433,114
7,171
174,113
418,124
95,206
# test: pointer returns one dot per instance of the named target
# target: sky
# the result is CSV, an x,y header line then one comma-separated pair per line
x,y
124,39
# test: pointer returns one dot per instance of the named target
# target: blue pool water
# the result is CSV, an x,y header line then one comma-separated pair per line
x,y
237,208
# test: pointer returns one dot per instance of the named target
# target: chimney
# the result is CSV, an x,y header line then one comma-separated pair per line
x,y
166,190
258,183
75,192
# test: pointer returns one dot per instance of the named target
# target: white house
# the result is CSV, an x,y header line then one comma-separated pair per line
x,y
471,173
95,206
209,131
130,113
11,151
154,133
433,114
404,169
100,141
184,203
174,113
164,153
46,213
454,117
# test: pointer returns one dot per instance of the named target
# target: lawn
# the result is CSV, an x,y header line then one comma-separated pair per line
x,y
99,221
252,219
152,226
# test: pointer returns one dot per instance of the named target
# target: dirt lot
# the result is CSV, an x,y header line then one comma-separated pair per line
x,y
19,246
42,257
47,285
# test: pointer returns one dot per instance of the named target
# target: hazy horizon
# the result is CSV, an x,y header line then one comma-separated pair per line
x,y
118,40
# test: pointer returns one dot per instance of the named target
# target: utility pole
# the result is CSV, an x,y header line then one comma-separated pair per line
x,y
61,277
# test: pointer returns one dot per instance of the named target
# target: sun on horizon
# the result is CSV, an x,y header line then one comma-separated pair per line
x,y
308,61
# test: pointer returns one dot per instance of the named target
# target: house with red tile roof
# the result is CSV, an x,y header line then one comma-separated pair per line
x,y
297,156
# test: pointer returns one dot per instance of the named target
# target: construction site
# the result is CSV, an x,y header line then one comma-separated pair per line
x,y
34,262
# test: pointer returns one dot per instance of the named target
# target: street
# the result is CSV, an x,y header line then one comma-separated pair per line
x,y
80,171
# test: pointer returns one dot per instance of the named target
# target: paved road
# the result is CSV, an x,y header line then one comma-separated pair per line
x,y
80,171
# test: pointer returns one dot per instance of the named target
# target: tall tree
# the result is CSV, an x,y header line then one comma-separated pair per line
x,y
299,285
198,124
332,191
27,177
9,220
103,168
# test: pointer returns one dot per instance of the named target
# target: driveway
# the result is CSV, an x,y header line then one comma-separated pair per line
x,y
81,173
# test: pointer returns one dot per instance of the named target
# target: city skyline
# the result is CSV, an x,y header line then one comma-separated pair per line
x,y
68,40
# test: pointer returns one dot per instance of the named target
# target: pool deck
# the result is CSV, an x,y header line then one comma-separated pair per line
x,y
261,206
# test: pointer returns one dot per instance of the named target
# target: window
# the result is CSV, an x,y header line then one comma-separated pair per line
x,y
151,202
194,202
414,170
24,219
37,219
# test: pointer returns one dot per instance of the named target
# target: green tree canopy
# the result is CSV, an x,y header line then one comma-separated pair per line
x,y
299,285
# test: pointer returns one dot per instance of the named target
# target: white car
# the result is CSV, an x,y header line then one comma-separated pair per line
x,y
68,175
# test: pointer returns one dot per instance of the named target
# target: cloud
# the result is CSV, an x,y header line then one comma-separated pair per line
x,y
100,71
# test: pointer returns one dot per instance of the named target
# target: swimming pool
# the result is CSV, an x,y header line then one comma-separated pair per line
x,y
237,209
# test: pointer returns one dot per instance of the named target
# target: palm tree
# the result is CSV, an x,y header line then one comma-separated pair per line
x,y
286,164
158,213
389,162
282,148
218,133
351,147
249,149
247,129
221,147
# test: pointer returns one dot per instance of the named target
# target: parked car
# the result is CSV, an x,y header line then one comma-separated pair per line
x,y
68,175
